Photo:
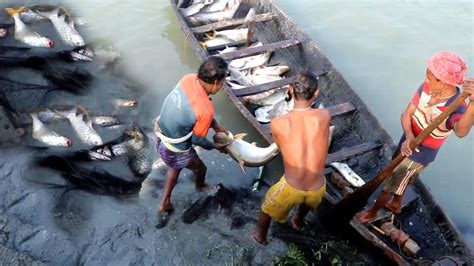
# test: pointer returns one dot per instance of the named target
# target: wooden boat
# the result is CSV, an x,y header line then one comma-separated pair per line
x,y
359,139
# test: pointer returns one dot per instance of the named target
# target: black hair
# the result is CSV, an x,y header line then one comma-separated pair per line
x,y
212,70
305,86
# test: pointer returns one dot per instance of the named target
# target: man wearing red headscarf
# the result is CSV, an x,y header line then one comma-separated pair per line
x,y
444,73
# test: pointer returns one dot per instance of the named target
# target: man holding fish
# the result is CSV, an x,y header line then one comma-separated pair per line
x,y
302,136
186,116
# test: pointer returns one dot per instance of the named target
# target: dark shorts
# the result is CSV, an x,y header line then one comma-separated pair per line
x,y
175,160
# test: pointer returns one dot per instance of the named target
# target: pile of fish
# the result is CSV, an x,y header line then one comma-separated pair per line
x,y
252,71
33,80
207,11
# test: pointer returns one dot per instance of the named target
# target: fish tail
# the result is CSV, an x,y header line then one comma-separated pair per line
x,y
13,11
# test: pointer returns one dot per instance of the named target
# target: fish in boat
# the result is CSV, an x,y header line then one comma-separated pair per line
x,y
216,6
47,136
270,70
236,35
209,17
24,34
64,27
250,61
245,153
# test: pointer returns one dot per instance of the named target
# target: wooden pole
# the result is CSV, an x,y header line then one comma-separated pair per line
x,y
345,209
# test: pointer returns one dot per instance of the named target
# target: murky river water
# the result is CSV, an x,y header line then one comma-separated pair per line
x,y
379,46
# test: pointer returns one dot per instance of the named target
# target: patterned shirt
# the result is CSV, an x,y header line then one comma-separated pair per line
x,y
423,117
187,108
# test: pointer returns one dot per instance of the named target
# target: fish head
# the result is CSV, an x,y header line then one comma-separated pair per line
x,y
223,138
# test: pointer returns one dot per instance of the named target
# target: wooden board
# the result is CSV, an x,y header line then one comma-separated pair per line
x,y
230,23
351,152
259,49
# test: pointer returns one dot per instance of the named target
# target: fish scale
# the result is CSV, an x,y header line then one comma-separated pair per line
x,y
66,30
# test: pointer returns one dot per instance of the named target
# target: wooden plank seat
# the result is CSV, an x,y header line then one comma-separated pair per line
x,y
259,49
230,23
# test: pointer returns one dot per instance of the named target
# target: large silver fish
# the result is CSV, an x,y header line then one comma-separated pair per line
x,y
271,100
250,61
209,17
47,136
83,129
257,97
271,70
215,41
66,30
239,77
266,113
234,34
218,5
25,34
246,154
47,115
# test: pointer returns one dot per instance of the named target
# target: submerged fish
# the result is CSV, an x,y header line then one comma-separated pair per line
x,y
246,154
105,120
3,32
83,129
25,34
47,136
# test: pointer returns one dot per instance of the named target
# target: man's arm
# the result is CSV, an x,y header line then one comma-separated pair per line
x,y
463,126
217,127
406,126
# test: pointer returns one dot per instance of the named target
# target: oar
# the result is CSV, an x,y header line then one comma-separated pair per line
x,y
345,209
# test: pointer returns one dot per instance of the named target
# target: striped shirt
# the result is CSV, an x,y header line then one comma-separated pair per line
x,y
423,117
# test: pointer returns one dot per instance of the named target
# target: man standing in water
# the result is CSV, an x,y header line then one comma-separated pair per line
x,y
302,136
445,72
186,116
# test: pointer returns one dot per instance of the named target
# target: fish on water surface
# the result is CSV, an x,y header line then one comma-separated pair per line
x,y
25,34
65,29
245,153
47,136
83,129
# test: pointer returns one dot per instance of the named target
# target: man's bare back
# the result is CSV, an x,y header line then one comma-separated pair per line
x,y
302,137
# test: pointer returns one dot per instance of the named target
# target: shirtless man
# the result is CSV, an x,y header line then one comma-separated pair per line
x,y
302,136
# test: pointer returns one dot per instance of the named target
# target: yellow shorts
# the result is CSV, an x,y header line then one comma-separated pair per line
x,y
281,197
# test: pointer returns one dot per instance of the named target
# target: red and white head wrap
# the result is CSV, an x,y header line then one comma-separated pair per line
x,y
448,67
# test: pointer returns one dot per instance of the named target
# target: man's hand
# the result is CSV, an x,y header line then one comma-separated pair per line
x,y
468,86
220,147
218,128
405,148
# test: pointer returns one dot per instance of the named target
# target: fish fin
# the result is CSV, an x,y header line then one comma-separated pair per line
x,y
49,14
203,44
83,110
13,11
240,136
241,163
